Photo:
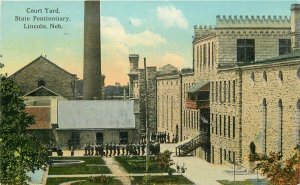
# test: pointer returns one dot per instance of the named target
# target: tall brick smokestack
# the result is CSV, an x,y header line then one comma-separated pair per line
x,y
295,26
92,56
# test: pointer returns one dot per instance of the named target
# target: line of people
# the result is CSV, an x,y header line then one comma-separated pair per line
x,y
112,149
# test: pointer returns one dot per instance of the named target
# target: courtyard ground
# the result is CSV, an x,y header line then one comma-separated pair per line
x,y
197,170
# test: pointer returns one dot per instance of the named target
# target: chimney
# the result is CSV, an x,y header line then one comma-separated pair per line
x,y
295,27
92,56
134,62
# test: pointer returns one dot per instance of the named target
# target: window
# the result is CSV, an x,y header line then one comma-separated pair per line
x,y
197,57
212,123
208,55
204,54
233,91
217,91
201,56
41,82
75,138
284,46
265,76
216,124
279,126
280,75
233,127
212,91
225,153
229,93
245,50
220,93
229,126
123,136
263,128
225,91
220,120
224,119
212,54
297,124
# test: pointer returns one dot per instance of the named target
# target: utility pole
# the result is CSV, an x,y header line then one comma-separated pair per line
x,y
146,117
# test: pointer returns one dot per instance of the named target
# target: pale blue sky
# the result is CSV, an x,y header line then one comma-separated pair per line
x,y
161,31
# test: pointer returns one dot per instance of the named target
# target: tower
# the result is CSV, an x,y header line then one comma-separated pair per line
x,y
295,27
92,56
133,73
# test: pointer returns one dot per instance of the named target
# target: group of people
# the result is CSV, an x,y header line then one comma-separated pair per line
x,y
163,137
112,149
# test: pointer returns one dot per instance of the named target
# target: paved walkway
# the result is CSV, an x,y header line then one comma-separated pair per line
x,y
203,173
117,170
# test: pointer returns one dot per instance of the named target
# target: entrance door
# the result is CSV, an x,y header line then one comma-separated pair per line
x,y
123,137
99,137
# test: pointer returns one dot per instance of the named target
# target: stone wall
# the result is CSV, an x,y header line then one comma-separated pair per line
x,y
168,105
151,95
56,78
273,128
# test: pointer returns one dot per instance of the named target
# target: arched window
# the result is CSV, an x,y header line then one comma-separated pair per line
x,y
265,76
263,128
279,126
297,124
252,76
280,75
41,82
298,73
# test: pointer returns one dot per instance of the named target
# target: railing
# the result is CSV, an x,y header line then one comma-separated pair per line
x,y
192,104
200,140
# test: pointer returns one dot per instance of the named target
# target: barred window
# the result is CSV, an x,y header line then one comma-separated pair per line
x,y
245,50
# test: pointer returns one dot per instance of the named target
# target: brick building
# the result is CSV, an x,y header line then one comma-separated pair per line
x,y
244,87
43,72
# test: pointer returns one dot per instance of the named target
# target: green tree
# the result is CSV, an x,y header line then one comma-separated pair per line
x,y
20,151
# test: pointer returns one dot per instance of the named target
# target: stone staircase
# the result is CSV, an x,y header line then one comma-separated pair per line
x,y
188,147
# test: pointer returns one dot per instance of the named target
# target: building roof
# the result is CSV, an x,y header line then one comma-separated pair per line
x,y
197,86
42,91
42,59
168,67
95,114
280,58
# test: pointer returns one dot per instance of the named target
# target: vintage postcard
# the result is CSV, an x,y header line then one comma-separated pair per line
x,y
150,92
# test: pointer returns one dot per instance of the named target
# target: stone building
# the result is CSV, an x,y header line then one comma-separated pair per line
x,y
243,88
143,97
43,72
96,123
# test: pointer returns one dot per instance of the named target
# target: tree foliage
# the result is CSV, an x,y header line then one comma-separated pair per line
x,y
163,160
280,172
20,151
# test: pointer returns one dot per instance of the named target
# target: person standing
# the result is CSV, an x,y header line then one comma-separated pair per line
x,y
114,149
85,149
110,149
89,149
123,150
118,149
92,149
106,149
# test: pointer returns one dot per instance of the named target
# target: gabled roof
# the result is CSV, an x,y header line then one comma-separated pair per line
x,y
42,91
197,86
168,67
42,59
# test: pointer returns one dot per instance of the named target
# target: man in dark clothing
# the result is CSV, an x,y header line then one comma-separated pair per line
x,y
89,149
85,149
106,149
118,149
143,148
92,149
127,149
101,150
110,149
114,149
168,137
